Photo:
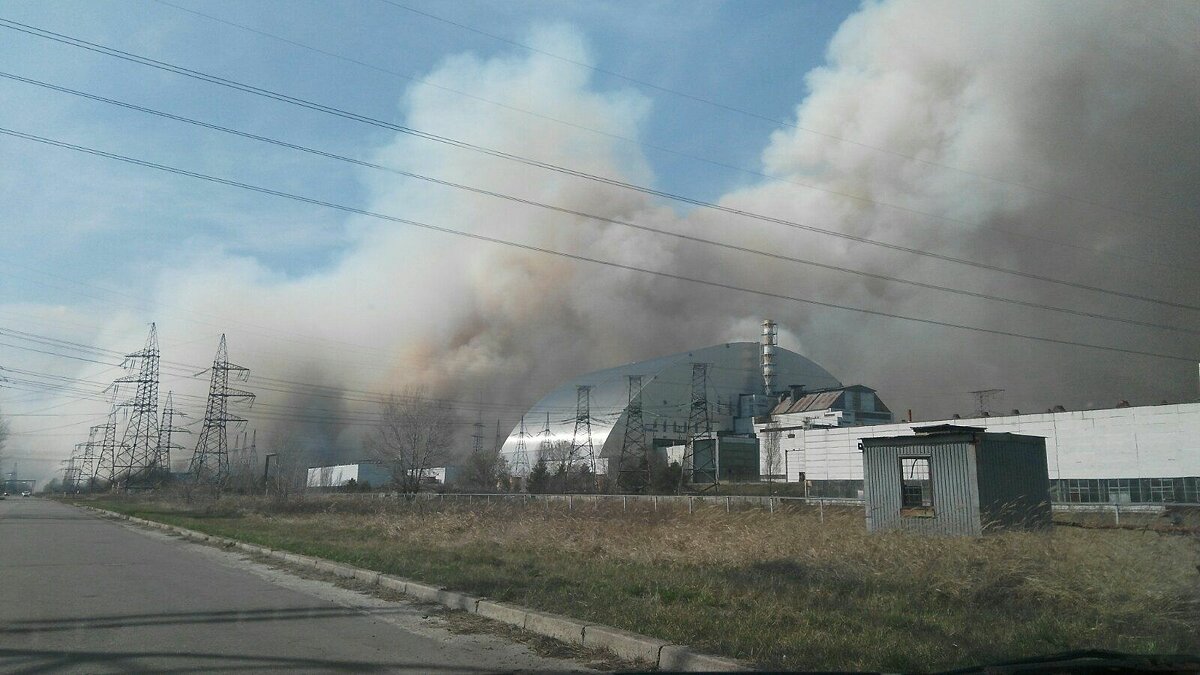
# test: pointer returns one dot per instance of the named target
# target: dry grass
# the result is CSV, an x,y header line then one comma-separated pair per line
x,y
782,590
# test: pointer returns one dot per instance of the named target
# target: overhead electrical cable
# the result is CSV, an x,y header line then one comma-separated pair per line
x,y
83,44
188,371
679,153
592,216
575,256
772,120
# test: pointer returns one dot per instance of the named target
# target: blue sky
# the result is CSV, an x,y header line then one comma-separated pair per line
x,y
744,54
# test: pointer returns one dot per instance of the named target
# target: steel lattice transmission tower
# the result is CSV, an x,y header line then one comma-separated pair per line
x,y
210,461
89,459
699,469
633,469
106,458
545,445
70,480
581,440
521,456
477,437
167,429
135,464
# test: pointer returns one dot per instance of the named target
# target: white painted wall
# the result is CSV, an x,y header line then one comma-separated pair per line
x,y
1161,441
332,476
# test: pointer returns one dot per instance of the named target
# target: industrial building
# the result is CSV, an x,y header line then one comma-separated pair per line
x,y
592,411
733,459
1121,455
851,406
953,479
369,473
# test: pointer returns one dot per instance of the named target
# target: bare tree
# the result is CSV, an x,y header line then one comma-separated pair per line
x,y
289,472
413,436
485,470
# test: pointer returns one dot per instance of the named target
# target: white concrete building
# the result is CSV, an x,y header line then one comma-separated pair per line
x,y
1138,454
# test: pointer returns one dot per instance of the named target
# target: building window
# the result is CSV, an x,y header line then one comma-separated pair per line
x,y
1081,490
1162,490
916,488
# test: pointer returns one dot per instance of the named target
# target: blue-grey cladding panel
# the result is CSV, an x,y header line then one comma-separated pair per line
x,y
1014,482
952,476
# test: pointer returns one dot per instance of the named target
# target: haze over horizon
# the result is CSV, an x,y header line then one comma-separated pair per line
x,y
1056,140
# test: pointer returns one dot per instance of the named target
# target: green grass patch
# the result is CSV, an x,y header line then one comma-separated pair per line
x,y
786,590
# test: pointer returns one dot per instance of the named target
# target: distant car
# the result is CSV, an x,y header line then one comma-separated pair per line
x,y
26,493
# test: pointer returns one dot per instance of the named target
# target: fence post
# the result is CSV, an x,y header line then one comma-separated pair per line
x,y
1117,513
689,503
771,505
624,505
654,499
821,510
570,502
727,500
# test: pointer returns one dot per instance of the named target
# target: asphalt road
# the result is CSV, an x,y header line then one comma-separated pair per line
x,y
79,593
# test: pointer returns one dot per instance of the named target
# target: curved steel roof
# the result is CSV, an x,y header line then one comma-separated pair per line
x,y
734,369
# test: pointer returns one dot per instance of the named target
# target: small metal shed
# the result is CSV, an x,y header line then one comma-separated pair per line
x,y
950,479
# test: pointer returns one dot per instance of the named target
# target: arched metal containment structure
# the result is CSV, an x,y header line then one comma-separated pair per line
x,y
734,393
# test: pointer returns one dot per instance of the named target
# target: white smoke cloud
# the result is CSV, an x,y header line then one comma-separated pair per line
x,y
1096,101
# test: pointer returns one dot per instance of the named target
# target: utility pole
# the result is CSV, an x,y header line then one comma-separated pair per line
x,y
210,461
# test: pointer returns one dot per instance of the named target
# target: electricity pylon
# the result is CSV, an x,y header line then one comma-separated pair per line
x,y
521,456
135,464
89,458
581,440
166,429
545,445
633,469
210,461
699,469
106,459
70,479
477,437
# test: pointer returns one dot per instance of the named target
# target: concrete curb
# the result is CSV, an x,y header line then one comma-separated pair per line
x,y
622,643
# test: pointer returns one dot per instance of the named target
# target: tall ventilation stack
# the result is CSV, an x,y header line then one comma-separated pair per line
x,y
769,340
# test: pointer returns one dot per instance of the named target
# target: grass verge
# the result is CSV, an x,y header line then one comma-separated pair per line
x,y
781,591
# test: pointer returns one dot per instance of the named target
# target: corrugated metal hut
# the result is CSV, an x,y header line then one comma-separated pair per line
x,y
950,479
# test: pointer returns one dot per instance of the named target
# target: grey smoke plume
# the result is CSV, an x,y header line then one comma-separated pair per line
x,y
1091,107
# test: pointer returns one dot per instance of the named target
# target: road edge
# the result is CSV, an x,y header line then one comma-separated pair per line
x,y
624,644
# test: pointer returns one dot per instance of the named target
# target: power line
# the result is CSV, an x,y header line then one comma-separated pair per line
x,y
664,149
574,256
614,221
771,120
266,93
